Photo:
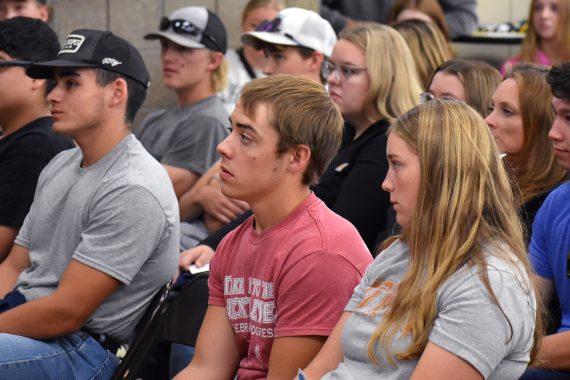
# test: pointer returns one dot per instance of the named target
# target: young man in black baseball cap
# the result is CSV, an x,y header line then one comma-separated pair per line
x,y
27,142
102,234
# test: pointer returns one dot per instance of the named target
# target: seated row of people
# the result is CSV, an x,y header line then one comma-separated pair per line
x,y
99,222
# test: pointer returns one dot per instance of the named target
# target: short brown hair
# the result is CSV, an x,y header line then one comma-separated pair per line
x,y
303,113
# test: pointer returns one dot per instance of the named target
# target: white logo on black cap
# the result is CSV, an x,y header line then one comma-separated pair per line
x,y
110,61
72,44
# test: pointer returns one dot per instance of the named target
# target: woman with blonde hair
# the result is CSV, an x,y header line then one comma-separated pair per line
x,y
372,79
426,10
451,297
428,45
547,39
472,82
520,121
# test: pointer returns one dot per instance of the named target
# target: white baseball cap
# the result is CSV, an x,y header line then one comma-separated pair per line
x,y
295,27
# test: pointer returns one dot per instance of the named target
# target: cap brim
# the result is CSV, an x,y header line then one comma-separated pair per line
x,y
253,38
176,38
45,70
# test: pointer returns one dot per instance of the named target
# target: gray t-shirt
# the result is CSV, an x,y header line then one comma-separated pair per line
x,y
468,324
186,137
119,216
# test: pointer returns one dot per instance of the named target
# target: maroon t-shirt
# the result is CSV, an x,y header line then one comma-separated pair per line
x,y
293,279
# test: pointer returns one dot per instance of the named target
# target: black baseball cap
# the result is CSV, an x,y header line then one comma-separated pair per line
x,y
193,27
95,49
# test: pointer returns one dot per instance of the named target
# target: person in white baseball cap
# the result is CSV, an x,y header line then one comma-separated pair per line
x,y
297,41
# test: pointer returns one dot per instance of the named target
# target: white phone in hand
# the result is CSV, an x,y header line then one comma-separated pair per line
x,y
194,269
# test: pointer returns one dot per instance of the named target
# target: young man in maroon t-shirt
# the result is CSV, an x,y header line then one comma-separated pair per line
x,y
279,282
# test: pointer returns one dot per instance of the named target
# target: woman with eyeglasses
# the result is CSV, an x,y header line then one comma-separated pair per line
x,y
520,120
373,80
472,82
451,297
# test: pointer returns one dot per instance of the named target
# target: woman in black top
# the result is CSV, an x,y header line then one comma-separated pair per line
x,y
372,79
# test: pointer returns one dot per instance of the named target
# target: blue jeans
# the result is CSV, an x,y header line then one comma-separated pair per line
x,y
73,356
180,356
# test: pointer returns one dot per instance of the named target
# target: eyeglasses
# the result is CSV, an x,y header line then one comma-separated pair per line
x,y
180,26
15,63
426,97
342,72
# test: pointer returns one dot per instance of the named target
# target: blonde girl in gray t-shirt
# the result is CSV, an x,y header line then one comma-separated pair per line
x,y
451,296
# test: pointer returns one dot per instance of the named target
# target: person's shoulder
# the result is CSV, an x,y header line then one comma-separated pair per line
x,y
39,138
557,200
371,145
130,164
335,233
210,108
154,118
232,56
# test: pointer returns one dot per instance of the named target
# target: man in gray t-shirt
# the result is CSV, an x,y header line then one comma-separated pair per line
x,y
102,233
184,138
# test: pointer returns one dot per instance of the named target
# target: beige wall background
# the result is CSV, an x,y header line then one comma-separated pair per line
x,y
132,19
495,11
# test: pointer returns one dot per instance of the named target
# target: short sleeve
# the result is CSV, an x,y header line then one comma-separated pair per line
x,y
122,228
193,145
215,280
474,328
538,251
312,295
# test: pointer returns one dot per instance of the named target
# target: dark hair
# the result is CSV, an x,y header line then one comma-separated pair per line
x,y
136,91
29,39
559,80
304,52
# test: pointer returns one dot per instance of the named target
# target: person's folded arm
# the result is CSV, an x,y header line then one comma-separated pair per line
x,y
80,291
16,262
217,355
182,179
7,236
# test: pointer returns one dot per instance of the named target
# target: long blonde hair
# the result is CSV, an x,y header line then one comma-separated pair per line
x,y
531,42
394,82
464,200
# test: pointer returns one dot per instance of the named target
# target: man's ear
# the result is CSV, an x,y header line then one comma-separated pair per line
x,y
216,59
299,157
44,13
38,84
316,61
118,92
